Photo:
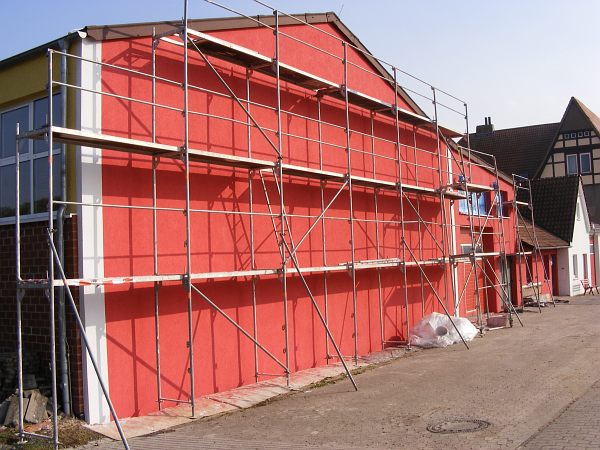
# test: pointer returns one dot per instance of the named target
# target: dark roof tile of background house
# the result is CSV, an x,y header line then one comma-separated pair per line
x,y
545,239
517,150
554,204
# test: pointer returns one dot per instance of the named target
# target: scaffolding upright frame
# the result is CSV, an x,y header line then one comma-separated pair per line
x,y
522,189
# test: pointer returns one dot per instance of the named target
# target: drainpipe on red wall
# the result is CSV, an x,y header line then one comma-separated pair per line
x,y
60,238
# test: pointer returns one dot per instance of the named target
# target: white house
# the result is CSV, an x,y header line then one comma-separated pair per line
x,y
560,207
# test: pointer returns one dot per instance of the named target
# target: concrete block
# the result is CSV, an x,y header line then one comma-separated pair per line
x,y
4,409
12,415
36,408
497,321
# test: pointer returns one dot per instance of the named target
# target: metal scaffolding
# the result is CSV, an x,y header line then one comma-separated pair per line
x,y
454,180
523,207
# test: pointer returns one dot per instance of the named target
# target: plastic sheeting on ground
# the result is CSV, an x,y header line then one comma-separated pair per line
x,y
436,330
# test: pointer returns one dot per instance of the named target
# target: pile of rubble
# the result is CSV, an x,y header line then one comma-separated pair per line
x,y
37,400
35,408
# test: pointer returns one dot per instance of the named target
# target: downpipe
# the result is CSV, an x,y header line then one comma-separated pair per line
x,y
65,381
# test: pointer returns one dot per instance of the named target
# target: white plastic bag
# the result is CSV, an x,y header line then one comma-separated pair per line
x,y
436,330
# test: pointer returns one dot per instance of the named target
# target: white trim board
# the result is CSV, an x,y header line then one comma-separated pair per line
x,y
90,232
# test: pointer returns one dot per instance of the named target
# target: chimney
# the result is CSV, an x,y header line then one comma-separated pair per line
x,y
487,127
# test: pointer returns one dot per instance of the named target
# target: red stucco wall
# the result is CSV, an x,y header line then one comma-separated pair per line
x,y
223,357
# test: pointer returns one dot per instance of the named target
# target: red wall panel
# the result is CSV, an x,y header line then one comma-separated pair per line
x,y
224,358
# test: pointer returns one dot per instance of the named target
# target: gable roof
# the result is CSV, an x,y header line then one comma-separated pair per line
x,y
545,239
574,108
517,150
555,204
524,150
145,29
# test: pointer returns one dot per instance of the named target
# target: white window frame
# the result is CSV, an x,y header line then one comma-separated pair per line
x,y
585,267
589,155
30,157
572,156
575,266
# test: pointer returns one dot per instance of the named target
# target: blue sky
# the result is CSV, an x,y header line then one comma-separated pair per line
x,y
514,60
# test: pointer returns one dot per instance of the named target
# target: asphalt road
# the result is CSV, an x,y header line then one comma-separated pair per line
x,y
521,381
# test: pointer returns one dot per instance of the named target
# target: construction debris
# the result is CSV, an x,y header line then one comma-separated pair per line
x,y
34,408
498,321
438,330
4,409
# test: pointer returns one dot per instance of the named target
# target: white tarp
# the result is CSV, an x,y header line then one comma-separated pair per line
x,y
436,330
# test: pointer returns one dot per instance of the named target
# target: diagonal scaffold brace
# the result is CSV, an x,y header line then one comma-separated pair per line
x,y
239,327
86,343
321,318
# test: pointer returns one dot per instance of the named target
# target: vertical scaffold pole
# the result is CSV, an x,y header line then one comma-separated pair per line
x,y
350,206
154,228
282,229
20,291
445,247
251,209
470,208
467,135
377,243
323,228
401,196
50,291
419,231
502,243
186,163
535,252
520,248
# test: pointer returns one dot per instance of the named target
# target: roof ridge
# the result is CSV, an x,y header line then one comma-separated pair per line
x,y
518,128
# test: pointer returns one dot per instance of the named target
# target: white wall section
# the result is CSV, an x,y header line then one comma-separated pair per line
x,y
90,232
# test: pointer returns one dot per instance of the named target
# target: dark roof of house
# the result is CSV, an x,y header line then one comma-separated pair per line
x,y
517,150
524,150
554,203
545,239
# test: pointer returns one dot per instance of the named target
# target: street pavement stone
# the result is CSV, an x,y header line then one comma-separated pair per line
x,y
576,428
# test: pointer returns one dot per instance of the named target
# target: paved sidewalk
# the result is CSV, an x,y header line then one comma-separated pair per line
x,y
578,427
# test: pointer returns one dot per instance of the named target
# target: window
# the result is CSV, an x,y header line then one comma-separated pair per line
x,y
575,268
571,164
573,135
502,206
482,207
33,156
586,133
468,248
478,203
585,267
578,211
580,134
463,205
585,163
528,269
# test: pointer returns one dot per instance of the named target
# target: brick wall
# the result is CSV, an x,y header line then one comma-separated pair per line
x,y
35,309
